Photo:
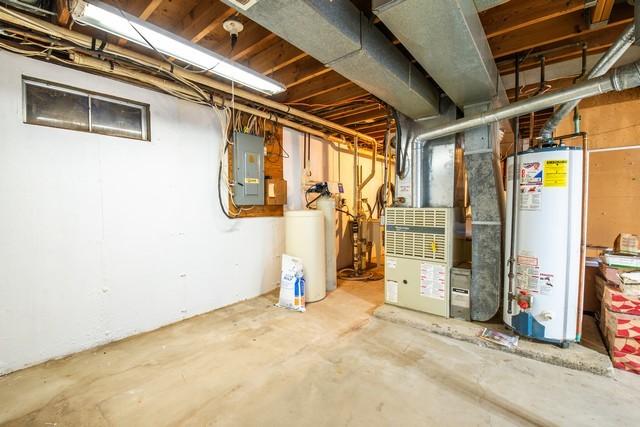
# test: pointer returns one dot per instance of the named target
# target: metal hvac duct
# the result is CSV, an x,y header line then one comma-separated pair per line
x,y
338,35
447,38
608,60
483,5
621,78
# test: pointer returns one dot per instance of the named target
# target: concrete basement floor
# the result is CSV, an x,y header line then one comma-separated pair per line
x,y
336,364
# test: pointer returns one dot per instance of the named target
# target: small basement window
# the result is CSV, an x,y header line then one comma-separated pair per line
x,y
49,104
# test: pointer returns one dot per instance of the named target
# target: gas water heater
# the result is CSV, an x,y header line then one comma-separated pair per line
x,y
542,300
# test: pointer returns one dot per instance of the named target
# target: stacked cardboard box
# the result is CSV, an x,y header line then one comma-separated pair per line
x,y
620,319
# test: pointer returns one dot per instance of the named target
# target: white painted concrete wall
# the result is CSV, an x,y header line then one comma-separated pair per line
x,y
104,237
327,164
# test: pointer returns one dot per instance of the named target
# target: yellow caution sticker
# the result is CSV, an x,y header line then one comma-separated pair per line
x,y
556,173
251,181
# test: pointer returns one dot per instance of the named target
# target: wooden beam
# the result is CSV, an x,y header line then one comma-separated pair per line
x,y
515,15
323,84
204,18
349,110
346,105
596,42
143,8
366,117
275,57
602,11
62,9
300,72
250,46
342,96
563,28
371,127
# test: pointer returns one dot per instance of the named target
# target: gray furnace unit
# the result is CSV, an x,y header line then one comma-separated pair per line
x,y
248,167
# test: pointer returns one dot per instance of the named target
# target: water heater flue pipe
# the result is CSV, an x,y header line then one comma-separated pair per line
x,y
621,78
608,60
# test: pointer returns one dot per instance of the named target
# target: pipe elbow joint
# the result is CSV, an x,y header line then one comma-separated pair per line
x,y
626,77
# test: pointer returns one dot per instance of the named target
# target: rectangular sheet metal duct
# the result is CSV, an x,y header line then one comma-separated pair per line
x,y
447,38
338,35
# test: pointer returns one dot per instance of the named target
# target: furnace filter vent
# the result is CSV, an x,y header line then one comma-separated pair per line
x,y
418,233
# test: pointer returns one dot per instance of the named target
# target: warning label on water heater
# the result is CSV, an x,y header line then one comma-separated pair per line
x,y
555,173
531,178
527,273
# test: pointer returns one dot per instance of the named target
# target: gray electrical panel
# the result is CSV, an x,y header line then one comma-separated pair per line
x,y
248,167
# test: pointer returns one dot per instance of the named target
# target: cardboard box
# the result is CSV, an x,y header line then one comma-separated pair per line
x,y
616,301
275,191
623,345
627,244
610,274
621,325
592,293
626,361
600,284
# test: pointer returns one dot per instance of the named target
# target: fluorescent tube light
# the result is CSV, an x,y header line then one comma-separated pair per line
x,y
112,20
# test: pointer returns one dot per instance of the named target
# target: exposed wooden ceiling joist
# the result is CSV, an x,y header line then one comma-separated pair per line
x,y
143,8
300,72
562,28
62,9
344,95
519,14
326,83
602,11
346,111
596,42
275,57
362,118
204,18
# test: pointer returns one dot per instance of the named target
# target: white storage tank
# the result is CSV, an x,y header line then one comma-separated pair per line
x,y
304,239
544,299
327,205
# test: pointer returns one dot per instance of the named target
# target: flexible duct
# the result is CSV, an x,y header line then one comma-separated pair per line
x,y
621,78
607,61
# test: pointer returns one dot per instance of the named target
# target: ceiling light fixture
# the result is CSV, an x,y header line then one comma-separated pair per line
x,y
113,20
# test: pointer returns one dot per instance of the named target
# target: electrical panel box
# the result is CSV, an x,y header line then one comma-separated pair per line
x,y
460,293
248,167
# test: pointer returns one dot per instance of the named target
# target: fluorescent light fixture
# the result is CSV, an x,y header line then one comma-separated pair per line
x,y
112,20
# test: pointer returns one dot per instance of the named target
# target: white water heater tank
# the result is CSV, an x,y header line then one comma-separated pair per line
x,y
542,302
